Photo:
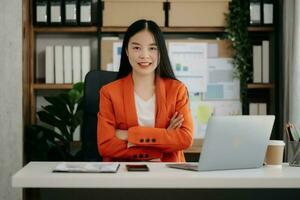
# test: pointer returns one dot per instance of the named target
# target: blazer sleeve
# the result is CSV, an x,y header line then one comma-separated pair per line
x,y
111,146
163,139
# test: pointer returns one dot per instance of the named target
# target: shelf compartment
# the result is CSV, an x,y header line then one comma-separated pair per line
x,y
170,29
66,29
44,86
260,86
188,29
260,29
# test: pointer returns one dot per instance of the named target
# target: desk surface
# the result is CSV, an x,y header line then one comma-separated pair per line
x,y
39,175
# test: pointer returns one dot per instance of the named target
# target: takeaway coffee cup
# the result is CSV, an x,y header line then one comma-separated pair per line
x,y
274,153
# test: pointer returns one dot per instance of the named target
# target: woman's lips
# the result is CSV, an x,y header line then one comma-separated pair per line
x,y
144,64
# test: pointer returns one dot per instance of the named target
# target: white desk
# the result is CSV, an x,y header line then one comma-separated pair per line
x,y
39,175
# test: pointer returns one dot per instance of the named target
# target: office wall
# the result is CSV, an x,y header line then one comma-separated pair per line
x,y
11,148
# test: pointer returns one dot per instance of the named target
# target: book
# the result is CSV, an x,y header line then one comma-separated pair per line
x,y
265,61
76,55
262,108
67,64
89,167
268,11
253,109
85,61
59,64
257,69
49,52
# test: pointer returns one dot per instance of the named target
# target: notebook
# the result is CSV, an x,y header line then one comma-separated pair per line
x,y
89,167
233,142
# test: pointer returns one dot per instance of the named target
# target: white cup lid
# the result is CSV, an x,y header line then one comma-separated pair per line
x,y
276,142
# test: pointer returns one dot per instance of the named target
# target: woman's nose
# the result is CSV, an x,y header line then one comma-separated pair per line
x,y
144,53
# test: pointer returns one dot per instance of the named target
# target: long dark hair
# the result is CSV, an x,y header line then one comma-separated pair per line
x,y
164,68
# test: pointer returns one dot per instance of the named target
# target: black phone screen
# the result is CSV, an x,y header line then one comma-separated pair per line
x,y
137,168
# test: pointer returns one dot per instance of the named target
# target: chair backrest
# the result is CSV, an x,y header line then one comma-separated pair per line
x,y
94,80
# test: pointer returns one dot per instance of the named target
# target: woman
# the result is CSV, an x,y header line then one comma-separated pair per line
x,y
144,115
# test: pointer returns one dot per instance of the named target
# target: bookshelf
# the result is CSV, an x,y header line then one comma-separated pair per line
x,y
32,84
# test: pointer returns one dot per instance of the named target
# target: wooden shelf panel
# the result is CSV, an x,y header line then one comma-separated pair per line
x,y
260,29
169,29
188,29
43,86
93,29
260,86
65,29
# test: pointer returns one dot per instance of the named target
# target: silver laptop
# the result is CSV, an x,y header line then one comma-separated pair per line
x,y
233,142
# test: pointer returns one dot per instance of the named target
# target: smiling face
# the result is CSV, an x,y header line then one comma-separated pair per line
x,y
142,53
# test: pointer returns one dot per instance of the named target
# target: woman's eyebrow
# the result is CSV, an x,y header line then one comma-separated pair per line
x,y
135,43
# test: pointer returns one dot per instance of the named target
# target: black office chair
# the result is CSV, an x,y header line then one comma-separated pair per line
x,y
94,80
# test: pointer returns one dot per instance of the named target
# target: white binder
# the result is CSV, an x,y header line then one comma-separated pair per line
x,y
76,64
257,69
265,62
59,69
85,61
49,54
67,64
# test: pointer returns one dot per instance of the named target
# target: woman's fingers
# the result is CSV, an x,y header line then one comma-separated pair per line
x,y
176,121
179,123
174,116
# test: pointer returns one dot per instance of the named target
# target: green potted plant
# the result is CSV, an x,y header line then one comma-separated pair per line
x,y
64,112
237,32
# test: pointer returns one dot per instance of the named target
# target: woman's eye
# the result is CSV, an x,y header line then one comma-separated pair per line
x,y
153,48
136,48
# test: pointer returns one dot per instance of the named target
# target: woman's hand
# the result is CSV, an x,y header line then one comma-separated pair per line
x,y
176,121
122,134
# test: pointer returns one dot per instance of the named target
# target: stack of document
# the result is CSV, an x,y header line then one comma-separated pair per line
x,y
89,167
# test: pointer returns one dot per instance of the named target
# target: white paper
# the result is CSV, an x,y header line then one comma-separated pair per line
x,y
201,112
223,108
221,83
193,84
87,167
188,59
117,50
212,50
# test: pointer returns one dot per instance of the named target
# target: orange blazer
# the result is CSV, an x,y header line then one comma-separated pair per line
x,y
117,111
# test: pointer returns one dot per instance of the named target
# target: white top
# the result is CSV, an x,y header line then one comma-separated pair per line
x,y
145,110
40,175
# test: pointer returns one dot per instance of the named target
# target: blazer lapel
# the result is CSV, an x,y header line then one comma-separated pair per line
x,y
161,109
129,102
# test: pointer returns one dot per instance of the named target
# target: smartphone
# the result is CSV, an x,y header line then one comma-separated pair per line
x,y
137,168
